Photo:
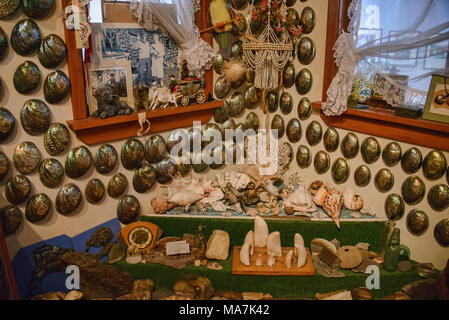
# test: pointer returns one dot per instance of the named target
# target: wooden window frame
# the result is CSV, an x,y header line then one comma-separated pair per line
x,y
376,121
95,130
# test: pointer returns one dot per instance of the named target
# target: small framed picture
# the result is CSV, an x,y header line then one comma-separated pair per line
x,y
437,103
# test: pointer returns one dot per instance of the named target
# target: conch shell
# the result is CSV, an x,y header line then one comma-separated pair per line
x,y
185,192
333,204
315,186
320,195
352,201
160,205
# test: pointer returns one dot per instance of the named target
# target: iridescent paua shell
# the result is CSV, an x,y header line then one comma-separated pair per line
x,y
11,218
78,162
221,114
252,97
128,209
250,75
434,165
392,154
217,161
18,189
413,190
52,51
194,136
105,159
117,185
237,49
25,37
4,166
272,101
340,170
56,87
411,160
278,124
144,178
7,122
35,117
184,165
314,132
292,16
37,208
218,62
288,75
289,153
290,3
211,132
26,157
178,138
350,146
37,9
384,180
57,139
198,164
304,81
68,199
236,104
239,82
441,233
227,125
222,87
321,162
331,139
94,191
394,207
8,7
306,50
132,154
26,77
51,172
3,44
155,148
362,176
294,130
303,157
417,222
438,197
252,121
370,150
286,103
307,20
166,169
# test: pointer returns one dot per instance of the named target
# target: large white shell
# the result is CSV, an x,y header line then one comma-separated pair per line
x,y
184,192
325,244
300,250
238,180
244,254
274,244
301,200
260,232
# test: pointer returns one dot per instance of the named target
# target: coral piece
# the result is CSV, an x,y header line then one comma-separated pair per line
x,y
237,179
161,205
333,204
350,257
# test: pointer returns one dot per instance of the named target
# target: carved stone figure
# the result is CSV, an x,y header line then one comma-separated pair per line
x,y
109,104
250,196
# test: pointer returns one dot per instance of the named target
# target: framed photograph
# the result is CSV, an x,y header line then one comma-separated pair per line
x,y
437,61
405,58
437,103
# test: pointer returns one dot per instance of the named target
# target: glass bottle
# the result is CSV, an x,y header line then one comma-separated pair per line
x,y
391,257
385,237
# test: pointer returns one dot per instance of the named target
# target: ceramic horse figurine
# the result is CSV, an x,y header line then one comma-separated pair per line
x,y
163,98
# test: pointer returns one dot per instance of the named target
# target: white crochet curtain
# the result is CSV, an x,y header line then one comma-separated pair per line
x,y
387,38
177,17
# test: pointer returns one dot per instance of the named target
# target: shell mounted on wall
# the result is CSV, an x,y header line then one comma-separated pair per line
x,y
384,180
56,87
128,209
434,165
340,171
331,139
218,62
25,37
272,99
221,114
68,199
441,233
417,222
166,169
303,157
117,185
394,207
362,176
350,146
314,132
3,44
370,150
155,148
438,197
286,103
132,154
293,130
7,122
307,20
304,81
26,157
37,9
8,8
306,50
78,162
236,104
288,75
411,160
222,87
26,78
35,117
321,162
94,191
413,190
37,208
252,121
278,124
144,178
105,159
57,139
51,172
11,218
4,166
18,189
252,97
392,154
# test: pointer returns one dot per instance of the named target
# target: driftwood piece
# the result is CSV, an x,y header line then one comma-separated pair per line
x,y
177,262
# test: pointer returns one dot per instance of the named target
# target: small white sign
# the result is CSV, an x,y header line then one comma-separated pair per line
x,y
177,247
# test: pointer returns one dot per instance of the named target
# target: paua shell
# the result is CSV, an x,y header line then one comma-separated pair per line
x,y
303,157
105,159
236,104
68,199
144,178
38,207
155,148
286,103
57,139
370,150
184,166
117,185
198,164
7,122
25,37
218,62
36,9
56,87
340,170
11,218
237,49
278,124
194,136
384,180
331,139
18,189
417,222
306,50
128,209
394,207
78,162
8,7
314,132
94,191
252,97
52,51
221,114
252,121
438,197
26,77
304,109
51,172
289,151
441,233
227,125
222,87
250,75
321,162
362,176
392,154
4,166
350,146
294,130
411,160
434,165
35,117
132,154
447,175
3,44
211,132
307,20
272,101
26,157
288,75
238,83
178,138
166,169
304,81
413,190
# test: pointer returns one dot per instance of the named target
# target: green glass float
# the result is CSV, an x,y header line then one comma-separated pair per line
x,y
219,62
331,139
417,222
294,130
394,207
26,157
37,208
57,139
221,114
3,44
392,154
18,189
413,190
25,37
211,132
52,51
35,117
236,104
155,148
411,160
37,9
132,154
166,169
144,178
307,20
441,233
8,8
304,81
314,132
56,87
117,185
11,218
227,125
350,146
438,197
198,164
94,191
321,162
252,121
237,50
286,103
222,87
128,209
51,172
370,150
288,75
306,50
7,122
303,157
362,176
384,180
340,171
26,77
4,166
434,165
78,162
272,100
252,97
105,159
68,199
278,124
404,253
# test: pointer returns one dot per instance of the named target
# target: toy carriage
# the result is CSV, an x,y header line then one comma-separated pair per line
x,y
192,89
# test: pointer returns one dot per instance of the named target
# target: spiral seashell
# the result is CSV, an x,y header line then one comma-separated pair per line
x,y
51,172
160,205
68,199
320,195
78,162
36,9
18,189
128,209
105,159
37,207
117,185
25,37
35,117
315,186
52,51
11,218
4,166
26,77
56,87
26,157
333,204
56,139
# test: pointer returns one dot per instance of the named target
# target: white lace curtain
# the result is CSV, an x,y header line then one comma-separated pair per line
x,y
177,17
386,39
